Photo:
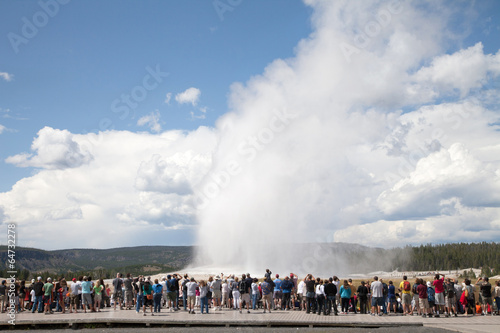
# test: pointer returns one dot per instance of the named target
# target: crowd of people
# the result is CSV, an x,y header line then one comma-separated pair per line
x,y
443,296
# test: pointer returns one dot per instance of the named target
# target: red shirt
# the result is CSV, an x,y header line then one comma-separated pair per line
x,y
438,284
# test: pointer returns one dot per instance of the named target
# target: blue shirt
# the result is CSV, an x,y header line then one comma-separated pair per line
x,y
170,284
392,291
277,284
86,287
157,288
345,292
287,286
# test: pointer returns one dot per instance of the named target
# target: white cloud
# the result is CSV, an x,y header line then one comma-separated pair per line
x,y
151,120
319,147
55,149
168,97
6,76
190,95
2,128
121,190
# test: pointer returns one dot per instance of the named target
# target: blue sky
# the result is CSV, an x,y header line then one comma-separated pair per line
x,y
174,122
92,52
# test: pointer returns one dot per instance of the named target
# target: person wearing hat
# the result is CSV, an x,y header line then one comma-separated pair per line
x,y
38,287
47,295
217,293
73,296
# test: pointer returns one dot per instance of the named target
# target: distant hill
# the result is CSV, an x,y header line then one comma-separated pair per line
x,y
141,258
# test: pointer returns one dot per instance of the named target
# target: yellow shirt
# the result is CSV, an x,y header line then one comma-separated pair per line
x,y
402,287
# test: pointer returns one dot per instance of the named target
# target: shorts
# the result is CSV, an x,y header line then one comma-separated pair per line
x,y
439,299
73,299
87,299
245,298
406,299
278,294
267,298
191,300
129,295
147,302
217,295
431,304
118,294
450,301
377,301
98,298
487,300
424,303
299,298
171,296
46,299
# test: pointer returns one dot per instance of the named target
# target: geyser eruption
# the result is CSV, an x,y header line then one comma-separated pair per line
x,y
312,148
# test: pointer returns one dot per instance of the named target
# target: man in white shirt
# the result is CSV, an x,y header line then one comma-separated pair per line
x,y
377,290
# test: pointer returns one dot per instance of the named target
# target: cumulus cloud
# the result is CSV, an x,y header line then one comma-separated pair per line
x,y
104,192
55,149
6,76
151,120
2,128
387,145
189,96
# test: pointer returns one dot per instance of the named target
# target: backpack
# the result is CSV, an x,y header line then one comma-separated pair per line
x,y
406,286
450,290
243,287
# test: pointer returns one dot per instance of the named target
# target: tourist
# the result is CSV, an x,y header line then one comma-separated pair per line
x,y
138,284
458,296
73,296
450,298
47,295
293,296
330,292
235,287
278,293
98,295
496,294
362,293
157,294
286,292
230,281
118,296
345,296
353,293
486,297
391,297
86,293
216,287
22,294
245,290
225,294
385,290
147,292
63,292
203,295
415,306
170,283
300,294
438,284
405,289
129,291
468,295
3,297
255,293
310,294
377,296
431,297
266,293
320,296
38,287
423,299
184,291
191,294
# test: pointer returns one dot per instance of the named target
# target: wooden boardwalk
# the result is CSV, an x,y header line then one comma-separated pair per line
x,y
228,318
